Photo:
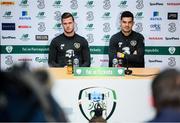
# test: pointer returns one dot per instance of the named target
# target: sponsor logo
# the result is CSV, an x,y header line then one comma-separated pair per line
x,y
123,4
8,15
172,61
155,61
24,3
57,16
106,4
24,15
41,15
155,27
58,26
106,15
74,4
24,26
155,38
172,38
173,4
8,26
140,4
7,3
90,38
8,37
90,16
41,4
106,38
139,15
89,4
25,37
156,16
104,60
75,14
57,4
106,27
156,4
89,27
172,15
172,27
25,59
8,60
41,27
139,27
41,37
41,60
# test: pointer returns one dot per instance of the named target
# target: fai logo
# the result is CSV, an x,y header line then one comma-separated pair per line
x,y
172,50
133,43
107,4
41,4
9,49
77,45
74,4
93,100
140,4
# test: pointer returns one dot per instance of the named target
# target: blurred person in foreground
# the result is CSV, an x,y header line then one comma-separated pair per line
x,y
68,45
166,95
25,97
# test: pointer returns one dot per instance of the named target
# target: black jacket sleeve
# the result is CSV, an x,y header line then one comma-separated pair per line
x,y
86,55
52,55
112,50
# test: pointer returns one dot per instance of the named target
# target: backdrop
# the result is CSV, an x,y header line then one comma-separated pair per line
x,y
28,26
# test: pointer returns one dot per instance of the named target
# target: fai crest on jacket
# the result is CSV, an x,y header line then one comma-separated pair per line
x,y
77,45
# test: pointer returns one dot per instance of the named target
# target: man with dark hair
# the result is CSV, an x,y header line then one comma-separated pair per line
x,y
127,45
68,45
166,95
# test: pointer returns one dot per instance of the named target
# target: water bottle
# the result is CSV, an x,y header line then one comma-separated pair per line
x,y
115,62
69,66
120,62
76,62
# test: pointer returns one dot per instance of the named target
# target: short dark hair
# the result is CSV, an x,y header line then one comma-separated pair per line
x,y
66,15
166,89
127,14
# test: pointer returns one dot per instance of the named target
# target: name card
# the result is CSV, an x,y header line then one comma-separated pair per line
x,y
98,71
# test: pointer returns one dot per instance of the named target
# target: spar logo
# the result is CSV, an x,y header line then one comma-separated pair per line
x,y
7,3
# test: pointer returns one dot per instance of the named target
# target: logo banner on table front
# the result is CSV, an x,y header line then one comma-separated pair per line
x,y
98,71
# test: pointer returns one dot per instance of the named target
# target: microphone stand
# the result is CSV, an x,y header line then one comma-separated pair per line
x,y
127,71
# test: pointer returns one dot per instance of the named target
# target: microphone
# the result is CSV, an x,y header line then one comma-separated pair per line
x,y
127,71
126,52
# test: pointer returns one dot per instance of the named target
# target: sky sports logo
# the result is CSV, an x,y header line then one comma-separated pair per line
x,y
8,26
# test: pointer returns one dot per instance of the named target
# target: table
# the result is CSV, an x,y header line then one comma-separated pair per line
x,y
133,102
